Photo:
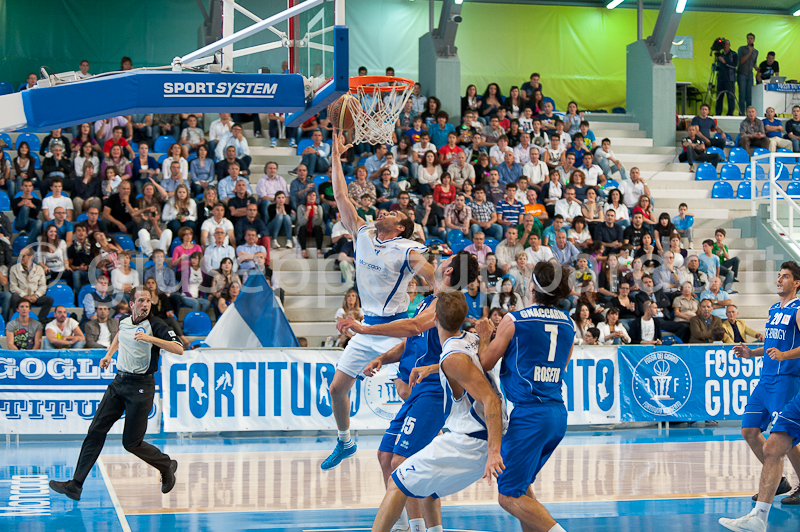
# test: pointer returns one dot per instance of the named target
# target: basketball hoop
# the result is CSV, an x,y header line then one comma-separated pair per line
x,y
381,99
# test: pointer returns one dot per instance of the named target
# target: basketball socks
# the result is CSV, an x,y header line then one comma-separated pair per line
x,y
557,528
344,437
402,523
437,528
762,510
417,525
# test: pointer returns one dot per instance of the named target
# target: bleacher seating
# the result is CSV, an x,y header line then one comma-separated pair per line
x,y
62,295
492,243
722,190
163,143
738,155
730,172
84,290
720,151
5,202
765,188
303,144
19,244
6,88
124,241
706,171
32,140
5,137
744,191
761,174
197,324
793,188
32,315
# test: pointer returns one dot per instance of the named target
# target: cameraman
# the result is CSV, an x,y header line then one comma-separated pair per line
x,y
726,64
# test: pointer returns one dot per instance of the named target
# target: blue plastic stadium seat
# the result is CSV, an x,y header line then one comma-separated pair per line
x,y
319,179
48,195
793,188
34,193
549,99
796,173
62,295
82,217
787,160
304,143
454,235
760,151
191,157
744,190
163,143
432,240
196,324
714,149
781,172
148,264
32,315
5,137
5,202
32,140
730,172
162,157
761,174
765,188
3,324
610,183
6,88
198,343
38,165
460,244
492,243
124,241
738,155
85,290
19,244
722,190
706,172
727,136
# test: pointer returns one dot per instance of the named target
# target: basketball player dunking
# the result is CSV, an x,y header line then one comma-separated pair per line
x,y
775,399
386,260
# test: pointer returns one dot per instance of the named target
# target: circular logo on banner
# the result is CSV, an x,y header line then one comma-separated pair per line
x,y
381,395
662,383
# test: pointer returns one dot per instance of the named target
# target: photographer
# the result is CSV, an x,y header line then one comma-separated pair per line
x,y
726,63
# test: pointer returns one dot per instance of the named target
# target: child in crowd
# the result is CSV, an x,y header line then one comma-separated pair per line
x,y
683,224
392,166
366,210
526,120
416,130
729,266
588,136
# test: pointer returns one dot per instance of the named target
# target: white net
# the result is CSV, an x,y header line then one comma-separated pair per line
x,y
378,108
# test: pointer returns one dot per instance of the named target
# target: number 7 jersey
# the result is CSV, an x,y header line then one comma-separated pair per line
x,y
534,362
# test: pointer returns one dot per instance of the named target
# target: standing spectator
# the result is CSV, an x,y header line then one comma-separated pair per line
x,y
748,59
63,332
719,298
100,332
751,131
726,63
774,129
26,211
27,282
310,223
736,330
707,127
23,333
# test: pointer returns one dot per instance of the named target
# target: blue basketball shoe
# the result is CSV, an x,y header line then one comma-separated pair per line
x,y
342,451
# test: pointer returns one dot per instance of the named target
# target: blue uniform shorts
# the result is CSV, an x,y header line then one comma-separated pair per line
x,y
788,420
416,425
534,432
772,394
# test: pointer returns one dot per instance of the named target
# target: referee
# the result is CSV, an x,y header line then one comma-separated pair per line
x,y
140,339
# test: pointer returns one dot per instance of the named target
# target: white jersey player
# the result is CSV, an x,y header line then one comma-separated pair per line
x,y
476,420
386,260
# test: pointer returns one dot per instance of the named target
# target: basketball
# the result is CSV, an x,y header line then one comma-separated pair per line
x,y
340,112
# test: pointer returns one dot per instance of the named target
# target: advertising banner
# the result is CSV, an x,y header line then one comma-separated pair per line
x,y
57,392
591,386
685,383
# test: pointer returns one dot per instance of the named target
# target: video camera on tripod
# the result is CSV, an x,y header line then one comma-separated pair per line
x,y
717,47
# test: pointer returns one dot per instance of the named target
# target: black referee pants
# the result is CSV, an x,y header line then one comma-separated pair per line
x,y
133,396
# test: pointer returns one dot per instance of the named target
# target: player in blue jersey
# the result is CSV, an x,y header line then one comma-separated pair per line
x,y
470,450
422,414
535,344
386,260
775,399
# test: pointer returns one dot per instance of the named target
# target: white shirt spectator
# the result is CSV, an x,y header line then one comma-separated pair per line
x,y
536,174
242,148
420,150
621,210
593,174
52,202
566,139
507,254
79,162
555,155
418,103
118,279
568,210
605,330
54,259
631,192
535,257
166,165
211,225
69,328
171,212
522,155
218,129
426,178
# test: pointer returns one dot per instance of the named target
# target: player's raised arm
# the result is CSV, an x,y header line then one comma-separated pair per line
x,y
498,346
347,210
459,368
396,329
423,268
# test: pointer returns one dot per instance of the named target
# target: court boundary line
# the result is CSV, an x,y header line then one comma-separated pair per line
x,y
123,521
677,497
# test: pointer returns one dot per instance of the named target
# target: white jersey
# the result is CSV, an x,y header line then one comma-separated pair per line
x,y
383,272
465,415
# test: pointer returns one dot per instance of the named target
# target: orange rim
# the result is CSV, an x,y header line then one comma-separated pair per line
x,y
399,83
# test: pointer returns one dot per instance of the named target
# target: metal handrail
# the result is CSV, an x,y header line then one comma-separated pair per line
x,y
775,191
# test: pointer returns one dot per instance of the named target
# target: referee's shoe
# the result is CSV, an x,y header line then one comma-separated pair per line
x,y
69,488
168,478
